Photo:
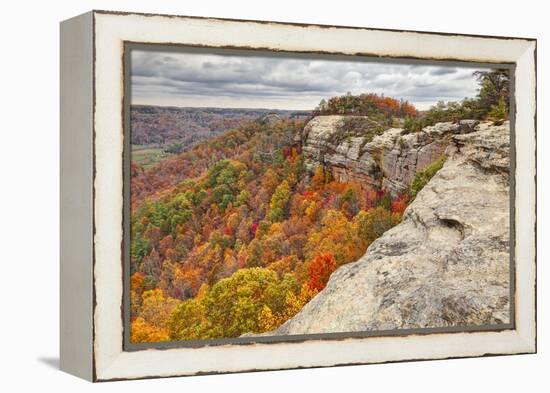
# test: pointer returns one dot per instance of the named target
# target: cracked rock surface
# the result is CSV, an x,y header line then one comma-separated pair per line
x,y
446,264
389,159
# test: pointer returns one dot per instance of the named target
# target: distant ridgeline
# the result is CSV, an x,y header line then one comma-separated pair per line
x,y
164,125
237,233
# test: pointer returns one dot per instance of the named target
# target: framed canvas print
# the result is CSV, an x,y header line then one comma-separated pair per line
x,y
248,195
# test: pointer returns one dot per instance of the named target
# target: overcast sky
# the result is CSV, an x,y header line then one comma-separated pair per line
x,y
199,80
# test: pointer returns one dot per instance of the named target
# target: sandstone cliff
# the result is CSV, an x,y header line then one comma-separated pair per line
x,y
355,148
447,263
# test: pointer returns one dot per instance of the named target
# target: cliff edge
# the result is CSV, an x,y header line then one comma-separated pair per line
x,y
358,148
447,263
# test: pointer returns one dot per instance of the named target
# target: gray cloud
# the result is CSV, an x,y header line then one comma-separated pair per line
x,y
443,71
201,79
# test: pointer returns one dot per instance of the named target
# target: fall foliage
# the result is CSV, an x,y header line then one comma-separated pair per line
x,y
371,104
320,269
233,236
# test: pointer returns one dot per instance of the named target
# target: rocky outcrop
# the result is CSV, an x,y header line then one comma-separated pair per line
x,y
445,264
338,142
268,119
355,148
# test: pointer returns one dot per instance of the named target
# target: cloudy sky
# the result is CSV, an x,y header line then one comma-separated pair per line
x,y
220,80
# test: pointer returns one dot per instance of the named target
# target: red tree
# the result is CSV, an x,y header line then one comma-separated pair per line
x,y
320,269
399,204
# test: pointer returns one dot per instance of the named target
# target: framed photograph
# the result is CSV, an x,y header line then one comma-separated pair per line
x,y
246,195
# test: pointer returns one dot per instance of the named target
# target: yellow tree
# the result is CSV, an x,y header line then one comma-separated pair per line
x,y
337,236
141,332
279,202
156,308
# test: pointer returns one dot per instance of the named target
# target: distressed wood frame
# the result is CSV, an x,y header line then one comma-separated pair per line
x,y
92,146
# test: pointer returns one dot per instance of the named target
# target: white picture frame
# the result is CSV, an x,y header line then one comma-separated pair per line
x,y
92,151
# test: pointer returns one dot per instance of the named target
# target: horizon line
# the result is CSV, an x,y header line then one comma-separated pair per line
x,y
223,107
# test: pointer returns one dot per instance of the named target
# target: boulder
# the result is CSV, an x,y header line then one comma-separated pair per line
x,y
467,126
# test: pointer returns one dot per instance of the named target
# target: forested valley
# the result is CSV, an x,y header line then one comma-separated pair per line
x,y
235,234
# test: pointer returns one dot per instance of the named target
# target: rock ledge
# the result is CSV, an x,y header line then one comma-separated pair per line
x,y
446,264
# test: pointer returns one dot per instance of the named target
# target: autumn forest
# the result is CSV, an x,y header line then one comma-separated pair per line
x,y
232,233
234,236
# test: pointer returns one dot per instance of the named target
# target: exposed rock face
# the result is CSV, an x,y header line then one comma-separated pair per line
x,y
380,158
268,119
446,264
326,141
467,126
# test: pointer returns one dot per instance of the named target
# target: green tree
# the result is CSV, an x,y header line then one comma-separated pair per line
x,y
242,198
279,202
174,148
188,321
233,306
494,87
370,225
422,177
499,112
